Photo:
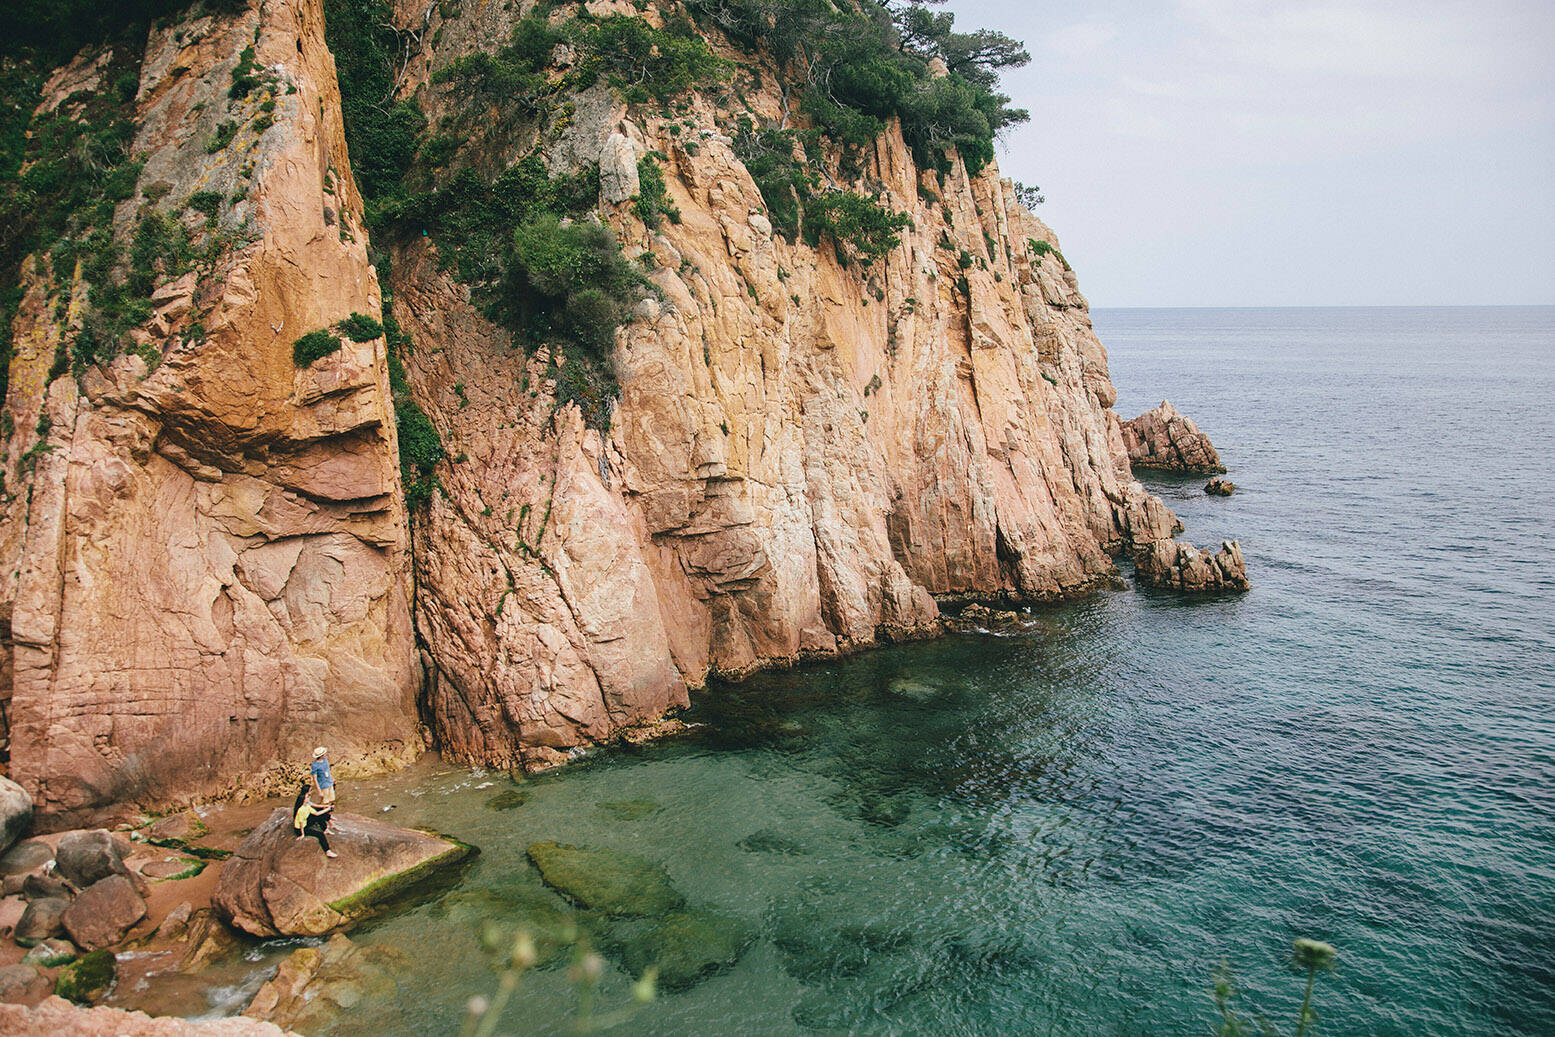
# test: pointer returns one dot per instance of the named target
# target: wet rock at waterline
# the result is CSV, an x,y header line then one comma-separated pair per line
x,y
49,953
279,885
1218,487
1183,567
314,986
608,881
208,940
87,978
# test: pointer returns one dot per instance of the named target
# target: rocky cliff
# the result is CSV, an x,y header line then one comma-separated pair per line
x,y
204,555
209,560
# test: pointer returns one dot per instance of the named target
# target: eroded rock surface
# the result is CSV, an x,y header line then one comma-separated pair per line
x,y
55,1015
1163,438
279,885
207,568
1183,567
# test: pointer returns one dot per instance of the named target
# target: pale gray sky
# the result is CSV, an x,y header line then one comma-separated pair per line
x,y
1290,152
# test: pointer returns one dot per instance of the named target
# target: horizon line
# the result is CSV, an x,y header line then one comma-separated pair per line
x,y
1331,306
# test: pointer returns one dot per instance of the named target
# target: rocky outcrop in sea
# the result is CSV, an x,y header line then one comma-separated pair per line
x,y
1162,438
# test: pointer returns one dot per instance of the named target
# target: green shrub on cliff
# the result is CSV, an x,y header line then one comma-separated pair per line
x,y
639,60
652,202
314,346
577,285
359,327
859,228
866,62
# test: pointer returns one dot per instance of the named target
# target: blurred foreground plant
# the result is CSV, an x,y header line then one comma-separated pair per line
x,y
482,1016
1309,956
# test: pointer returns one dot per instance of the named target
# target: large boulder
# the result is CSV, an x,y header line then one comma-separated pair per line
x,y
1163,438
15,813
279,885
85,857
104,912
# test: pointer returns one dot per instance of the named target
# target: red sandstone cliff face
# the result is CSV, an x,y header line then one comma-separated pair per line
x,y
207,571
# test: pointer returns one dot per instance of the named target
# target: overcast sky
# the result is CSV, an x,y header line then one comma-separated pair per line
x,y
1259,152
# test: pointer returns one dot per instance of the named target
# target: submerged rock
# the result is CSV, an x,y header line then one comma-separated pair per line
x,y
685,945
628,809
608,881
508,800
315,985
770,840
279,885
1162,438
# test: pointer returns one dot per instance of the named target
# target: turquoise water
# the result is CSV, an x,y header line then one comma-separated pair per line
x,y
1065,831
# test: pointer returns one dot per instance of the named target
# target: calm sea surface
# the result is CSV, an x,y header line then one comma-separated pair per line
x,y
1066,832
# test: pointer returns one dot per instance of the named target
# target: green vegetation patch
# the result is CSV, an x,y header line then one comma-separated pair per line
x,y
314,346
87,978
359,328
867,61
652,203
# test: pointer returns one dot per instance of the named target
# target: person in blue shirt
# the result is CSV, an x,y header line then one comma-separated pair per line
x,y
323,780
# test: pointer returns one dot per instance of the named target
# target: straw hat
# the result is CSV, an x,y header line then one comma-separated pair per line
x,y
320,751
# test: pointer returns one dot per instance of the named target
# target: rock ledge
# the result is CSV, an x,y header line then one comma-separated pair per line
x,y
279,885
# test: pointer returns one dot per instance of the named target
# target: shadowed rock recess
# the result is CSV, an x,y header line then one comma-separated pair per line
x,y
207,559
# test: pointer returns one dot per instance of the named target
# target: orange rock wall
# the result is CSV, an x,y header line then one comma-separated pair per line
x,y
207,572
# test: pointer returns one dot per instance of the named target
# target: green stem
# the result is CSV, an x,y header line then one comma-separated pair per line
x,y
1306,1004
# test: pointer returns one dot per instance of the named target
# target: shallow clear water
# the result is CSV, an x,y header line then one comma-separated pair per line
x,y
1065,832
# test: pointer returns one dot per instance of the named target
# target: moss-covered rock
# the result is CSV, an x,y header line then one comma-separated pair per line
x,y
607,881
87,978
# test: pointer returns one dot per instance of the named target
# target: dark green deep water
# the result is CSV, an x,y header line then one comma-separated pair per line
x,y
1064,832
